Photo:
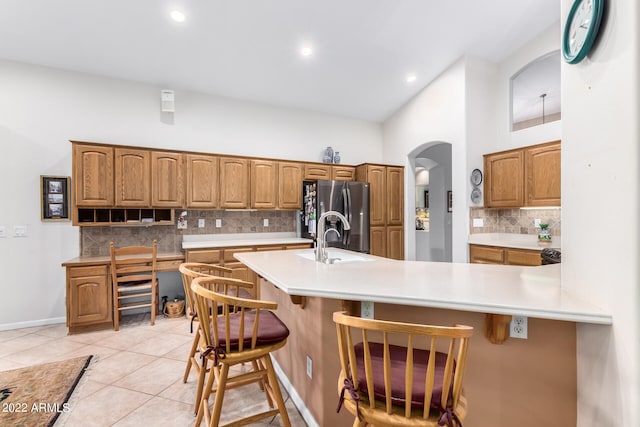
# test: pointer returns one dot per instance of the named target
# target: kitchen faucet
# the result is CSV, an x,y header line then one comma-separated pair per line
x,y
321,250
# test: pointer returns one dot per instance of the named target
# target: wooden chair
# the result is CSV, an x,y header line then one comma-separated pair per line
x,y
133,274
190,271
401,374
245,331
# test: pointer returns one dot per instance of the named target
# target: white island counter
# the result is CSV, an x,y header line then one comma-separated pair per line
x,y
537,372
499,289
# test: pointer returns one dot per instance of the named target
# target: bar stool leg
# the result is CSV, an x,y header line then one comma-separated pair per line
x,y
217,405
277,395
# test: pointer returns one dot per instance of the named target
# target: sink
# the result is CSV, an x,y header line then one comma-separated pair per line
x,y
335,257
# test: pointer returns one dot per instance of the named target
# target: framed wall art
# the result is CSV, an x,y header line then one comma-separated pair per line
x,y
55,201
449,201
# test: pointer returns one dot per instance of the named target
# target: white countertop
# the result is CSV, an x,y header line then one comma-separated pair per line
x,y
241,239
499,289
507,240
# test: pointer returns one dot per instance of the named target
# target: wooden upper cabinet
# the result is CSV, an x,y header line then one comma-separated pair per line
x,y
529,176
542,172
264,184
376,176
343,173
93,175
167,179
133,177
202,181
289,185
317,171
395,195
504,175
234,183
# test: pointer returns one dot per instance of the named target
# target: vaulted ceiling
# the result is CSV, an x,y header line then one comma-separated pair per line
x,y
362,50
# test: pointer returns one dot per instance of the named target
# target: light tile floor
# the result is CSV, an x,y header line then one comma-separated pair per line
x,y
136,376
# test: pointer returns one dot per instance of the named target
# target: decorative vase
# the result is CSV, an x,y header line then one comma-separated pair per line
x,y
336,157
544,235
328,155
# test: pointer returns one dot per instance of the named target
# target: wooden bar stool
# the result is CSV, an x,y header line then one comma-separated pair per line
x,y
385,384
133,273
245,331
234,287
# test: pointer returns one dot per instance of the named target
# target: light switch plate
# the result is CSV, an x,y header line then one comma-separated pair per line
x,y
218,223
19,231
478,222
201,223
3,231
536,223
265,222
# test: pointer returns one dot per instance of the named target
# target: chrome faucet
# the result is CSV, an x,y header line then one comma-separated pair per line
x,y
321,250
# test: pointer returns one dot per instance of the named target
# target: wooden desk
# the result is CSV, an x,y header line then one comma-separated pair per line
x,y
89,290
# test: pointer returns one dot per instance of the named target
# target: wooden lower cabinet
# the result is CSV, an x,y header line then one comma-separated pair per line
x,y
480,254
89,298
378,241
395,242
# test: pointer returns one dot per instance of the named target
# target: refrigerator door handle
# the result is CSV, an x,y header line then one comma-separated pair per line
x,y
347,233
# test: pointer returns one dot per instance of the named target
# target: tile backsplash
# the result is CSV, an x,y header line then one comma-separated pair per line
x,y
516,221
94,241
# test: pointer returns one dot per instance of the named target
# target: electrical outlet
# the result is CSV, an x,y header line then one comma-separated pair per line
x,y
201,223
518,327
478,222
19,231
309,367
536,223
218,223
3,231
366,309
265,222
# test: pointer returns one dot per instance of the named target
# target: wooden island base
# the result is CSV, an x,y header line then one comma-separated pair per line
x,y
524,383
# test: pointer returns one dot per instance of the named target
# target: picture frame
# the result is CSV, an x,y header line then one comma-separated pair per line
x,y
449,201
55,198
426,199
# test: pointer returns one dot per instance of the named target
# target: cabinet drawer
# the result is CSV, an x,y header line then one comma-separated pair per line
x,y
169,265
208,256
298,246
486,254
93,270
523,257
228,253
269,248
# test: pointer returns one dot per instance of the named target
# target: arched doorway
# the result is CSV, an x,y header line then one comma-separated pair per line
x,y
434,243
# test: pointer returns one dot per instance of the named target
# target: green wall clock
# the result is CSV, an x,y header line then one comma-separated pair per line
x,y
581,29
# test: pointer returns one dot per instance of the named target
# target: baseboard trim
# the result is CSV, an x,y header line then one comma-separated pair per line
x,y
295,397
32,323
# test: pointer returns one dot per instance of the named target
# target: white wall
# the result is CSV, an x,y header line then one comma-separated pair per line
x,y
600,185
437,114
41,109
545,42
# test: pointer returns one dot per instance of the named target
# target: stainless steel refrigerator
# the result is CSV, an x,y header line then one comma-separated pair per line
x,y
347,197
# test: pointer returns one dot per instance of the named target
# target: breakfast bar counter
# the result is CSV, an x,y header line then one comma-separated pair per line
x,y
524,382
499,289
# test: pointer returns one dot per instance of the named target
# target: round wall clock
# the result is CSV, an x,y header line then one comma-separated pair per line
x,y
476,177
581,29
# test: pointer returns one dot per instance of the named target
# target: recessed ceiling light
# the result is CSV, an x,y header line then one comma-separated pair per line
x,y
411,78
178,16
306,51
